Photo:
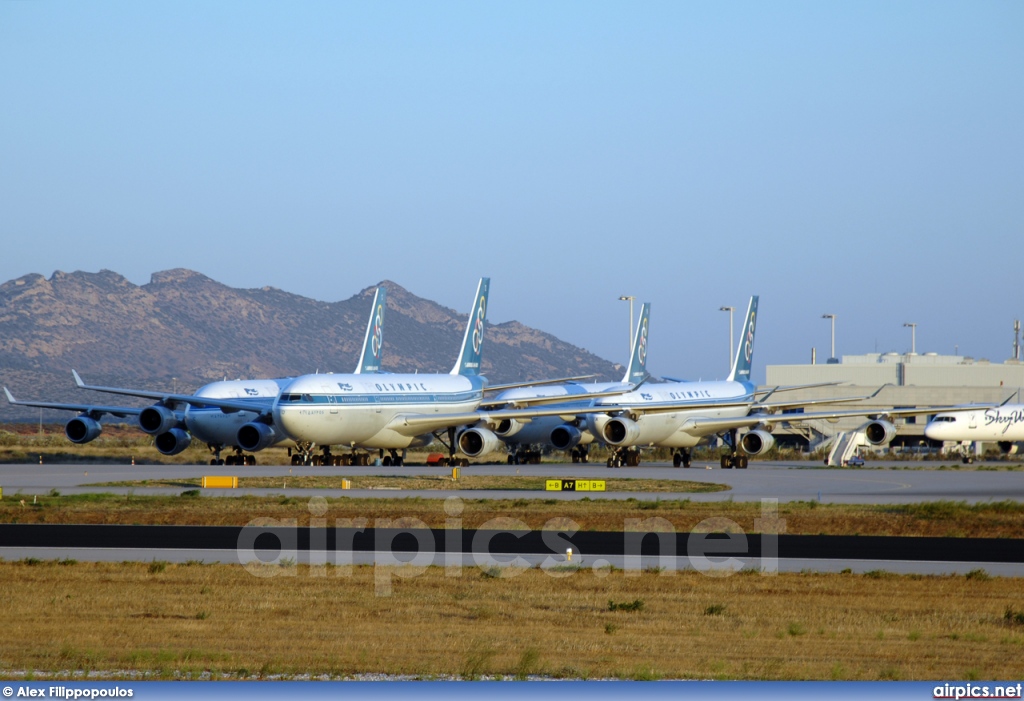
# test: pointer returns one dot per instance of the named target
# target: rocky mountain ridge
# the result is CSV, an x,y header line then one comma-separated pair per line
x,y
184,329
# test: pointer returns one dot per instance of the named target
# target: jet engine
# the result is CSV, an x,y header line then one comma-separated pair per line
x,y
621,431
879,432
173,442
255,436
508,427
475,442
1007,448
82,429
565,437
157,419
757,442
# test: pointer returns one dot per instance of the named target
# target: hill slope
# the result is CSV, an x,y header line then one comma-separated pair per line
x,y
185,329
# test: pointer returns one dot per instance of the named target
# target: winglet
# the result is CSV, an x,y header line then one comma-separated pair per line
x,y
78,380
637,367
10,397
373,342
745,350
471,353
878,391
1004,403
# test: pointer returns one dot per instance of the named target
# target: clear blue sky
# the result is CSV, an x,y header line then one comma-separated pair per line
x,y
861,158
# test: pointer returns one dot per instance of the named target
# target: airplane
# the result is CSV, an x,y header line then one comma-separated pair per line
x,y
387,412
679,415
553,431
174,424
1003,425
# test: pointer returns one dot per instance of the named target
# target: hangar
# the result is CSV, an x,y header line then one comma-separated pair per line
x,y
909,380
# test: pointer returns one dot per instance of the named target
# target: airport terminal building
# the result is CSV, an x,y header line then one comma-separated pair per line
x,y
907,380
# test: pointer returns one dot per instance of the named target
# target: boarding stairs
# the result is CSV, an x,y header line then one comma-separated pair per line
x,y
845,447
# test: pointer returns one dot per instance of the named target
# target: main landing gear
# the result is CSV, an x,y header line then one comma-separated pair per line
x,y
451,460
681,458
525,457
239,458
393,459
304,455
630,457
580,454
734,458
737,461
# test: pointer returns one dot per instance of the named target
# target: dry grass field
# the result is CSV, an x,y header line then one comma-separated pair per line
x,y
949,519
168,620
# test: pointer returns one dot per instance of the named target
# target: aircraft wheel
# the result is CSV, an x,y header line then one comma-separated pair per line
x,y
511,460
741,462
386,461
677,460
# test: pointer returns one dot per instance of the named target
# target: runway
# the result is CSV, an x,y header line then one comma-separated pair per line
x,y
717,554
891,483
799,481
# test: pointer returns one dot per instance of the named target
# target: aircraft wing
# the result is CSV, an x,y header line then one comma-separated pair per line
x,y
260,405
93,410
791,388
522,402
705,427
537,383
415,424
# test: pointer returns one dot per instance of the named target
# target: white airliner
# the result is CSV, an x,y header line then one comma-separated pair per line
x,y
553,431
679,415
394,412
1003,425
385,412
174,424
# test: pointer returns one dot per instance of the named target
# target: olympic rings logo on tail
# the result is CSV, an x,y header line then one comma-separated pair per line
x,y
748,348
478,325
641,351
376,342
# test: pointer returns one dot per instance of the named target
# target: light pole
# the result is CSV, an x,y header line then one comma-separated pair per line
x,y
630,299
833,318
730,310
913,336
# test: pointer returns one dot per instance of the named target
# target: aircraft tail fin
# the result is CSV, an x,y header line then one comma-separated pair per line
x,y
745,350
637,369
373,343
473,342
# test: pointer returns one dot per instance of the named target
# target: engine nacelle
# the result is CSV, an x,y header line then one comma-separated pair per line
x,y
255,436
173,442
879,432
1007,448
508,427
82,429
475,442
620,431
756,442
157,419
566,437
